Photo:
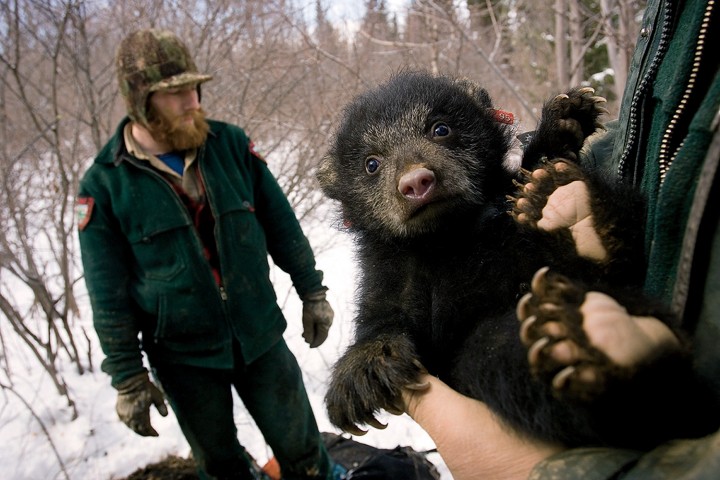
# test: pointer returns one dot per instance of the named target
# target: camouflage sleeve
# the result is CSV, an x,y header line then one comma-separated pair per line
x,y
696,459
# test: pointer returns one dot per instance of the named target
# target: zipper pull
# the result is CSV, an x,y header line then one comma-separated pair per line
x,y
223,294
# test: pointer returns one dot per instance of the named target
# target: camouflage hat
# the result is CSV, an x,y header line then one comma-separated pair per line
x,y
152,60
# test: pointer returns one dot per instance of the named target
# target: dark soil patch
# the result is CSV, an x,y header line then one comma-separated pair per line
x,y
171,468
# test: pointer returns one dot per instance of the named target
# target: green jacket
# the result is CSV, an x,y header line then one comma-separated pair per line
x,y
145,269
682,242
672,195
682,238
679,220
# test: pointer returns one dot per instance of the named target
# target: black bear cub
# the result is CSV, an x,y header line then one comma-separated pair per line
x,y
419,166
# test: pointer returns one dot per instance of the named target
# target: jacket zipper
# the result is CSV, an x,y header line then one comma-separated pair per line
x,y
221,289
201,177
667,156
644,86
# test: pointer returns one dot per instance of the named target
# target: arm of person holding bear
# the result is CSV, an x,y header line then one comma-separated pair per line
x,y
474,443
472,440
683,254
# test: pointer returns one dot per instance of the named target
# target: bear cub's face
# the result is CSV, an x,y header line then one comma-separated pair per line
x,y
413,152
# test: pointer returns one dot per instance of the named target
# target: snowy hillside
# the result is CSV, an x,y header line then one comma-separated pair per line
x,y
40,440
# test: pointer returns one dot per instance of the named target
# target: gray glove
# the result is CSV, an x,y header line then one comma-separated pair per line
x,y
135,396
316,318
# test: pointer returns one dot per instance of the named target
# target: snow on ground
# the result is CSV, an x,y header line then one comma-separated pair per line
x,y
42,442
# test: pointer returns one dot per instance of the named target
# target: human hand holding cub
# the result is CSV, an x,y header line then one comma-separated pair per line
x,y
473,442
582,340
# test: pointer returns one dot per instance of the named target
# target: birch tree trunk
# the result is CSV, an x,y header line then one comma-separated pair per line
x,y
561,47
577,41
617,21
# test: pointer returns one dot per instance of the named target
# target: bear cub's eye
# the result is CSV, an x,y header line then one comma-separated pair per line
x,y
372,164
440,130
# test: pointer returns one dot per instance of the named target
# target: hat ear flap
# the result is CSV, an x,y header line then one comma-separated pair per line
x,y
137,102
144,115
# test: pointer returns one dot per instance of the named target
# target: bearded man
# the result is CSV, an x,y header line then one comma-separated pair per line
x,y
176,218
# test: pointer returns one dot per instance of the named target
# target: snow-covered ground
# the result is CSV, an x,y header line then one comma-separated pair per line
x,y
42,442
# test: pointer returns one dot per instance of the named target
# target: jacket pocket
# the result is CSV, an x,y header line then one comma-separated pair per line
x,y
160,254
242,228
188,323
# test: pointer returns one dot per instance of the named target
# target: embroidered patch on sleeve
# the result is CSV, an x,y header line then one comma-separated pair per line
x,y
255,153
83,211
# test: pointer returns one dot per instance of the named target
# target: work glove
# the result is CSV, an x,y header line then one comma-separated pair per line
x,y
135,396
316,318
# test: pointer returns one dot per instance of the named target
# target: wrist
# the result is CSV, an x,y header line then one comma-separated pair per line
x,y
133,383
316,296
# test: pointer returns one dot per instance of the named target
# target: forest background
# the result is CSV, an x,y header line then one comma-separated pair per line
x,y
282,70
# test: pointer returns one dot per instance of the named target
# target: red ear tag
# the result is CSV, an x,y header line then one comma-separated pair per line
x,y
501,116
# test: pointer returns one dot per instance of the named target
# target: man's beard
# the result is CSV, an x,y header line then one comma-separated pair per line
x,y
175,132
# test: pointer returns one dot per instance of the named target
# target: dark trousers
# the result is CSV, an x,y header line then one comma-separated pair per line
x,y
272,391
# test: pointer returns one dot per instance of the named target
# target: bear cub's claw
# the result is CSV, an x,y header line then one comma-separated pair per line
x,y
568,119
370,377
556,197
559,351
536,187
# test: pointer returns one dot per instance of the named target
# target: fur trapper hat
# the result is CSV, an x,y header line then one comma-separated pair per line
x,y
151,60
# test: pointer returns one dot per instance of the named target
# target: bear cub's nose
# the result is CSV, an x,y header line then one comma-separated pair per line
x,y
417,184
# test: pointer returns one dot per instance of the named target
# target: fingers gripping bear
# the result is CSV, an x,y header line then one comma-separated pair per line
x,y
581,341
556,197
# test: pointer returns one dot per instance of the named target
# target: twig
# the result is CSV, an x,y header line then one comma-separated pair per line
x,y
42,426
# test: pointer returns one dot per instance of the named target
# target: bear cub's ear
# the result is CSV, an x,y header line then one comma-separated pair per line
x,y
479,95
327,176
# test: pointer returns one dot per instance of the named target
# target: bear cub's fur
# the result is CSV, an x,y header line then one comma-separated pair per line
x,y
419,167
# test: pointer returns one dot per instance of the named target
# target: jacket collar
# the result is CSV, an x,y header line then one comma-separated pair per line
x,y
115,151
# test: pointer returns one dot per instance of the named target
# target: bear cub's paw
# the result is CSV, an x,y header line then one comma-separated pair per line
x,y
556,196
370,377
568,119
583,342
